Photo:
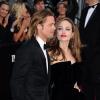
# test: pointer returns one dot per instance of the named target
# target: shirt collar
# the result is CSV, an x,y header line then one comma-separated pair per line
x,y
41,42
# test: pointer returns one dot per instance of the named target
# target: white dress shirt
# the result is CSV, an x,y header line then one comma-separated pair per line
x,y
41,43
89,13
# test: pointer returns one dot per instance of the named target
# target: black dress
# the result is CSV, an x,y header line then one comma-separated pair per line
x,y
63,77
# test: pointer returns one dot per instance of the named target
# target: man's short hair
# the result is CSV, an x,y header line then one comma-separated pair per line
x,y
38,18
37,1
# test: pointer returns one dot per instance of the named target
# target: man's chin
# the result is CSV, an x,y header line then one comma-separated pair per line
x,y
50,37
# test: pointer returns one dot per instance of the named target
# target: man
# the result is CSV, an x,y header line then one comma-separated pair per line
x,y
4,50
30,77
90,36
43,4
39,5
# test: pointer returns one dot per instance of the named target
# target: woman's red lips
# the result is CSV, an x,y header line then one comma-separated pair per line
x,y
63,35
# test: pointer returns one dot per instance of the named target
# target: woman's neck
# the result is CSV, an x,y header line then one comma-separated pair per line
x,y
61,16
64,46
1,20
67,52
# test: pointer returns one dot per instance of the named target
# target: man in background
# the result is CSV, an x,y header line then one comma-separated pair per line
x,y
90,36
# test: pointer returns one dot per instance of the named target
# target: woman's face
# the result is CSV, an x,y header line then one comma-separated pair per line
x,y
4,9
64,31
61,9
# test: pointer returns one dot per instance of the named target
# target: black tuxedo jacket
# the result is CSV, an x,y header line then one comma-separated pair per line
x,y
90,36
30,79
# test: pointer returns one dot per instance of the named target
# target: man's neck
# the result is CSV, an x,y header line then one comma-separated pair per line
x,y
42,37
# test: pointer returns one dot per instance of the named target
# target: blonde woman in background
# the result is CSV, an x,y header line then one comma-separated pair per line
x,y
22,20
20,16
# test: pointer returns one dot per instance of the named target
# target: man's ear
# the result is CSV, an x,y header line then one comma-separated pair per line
x,y
39,27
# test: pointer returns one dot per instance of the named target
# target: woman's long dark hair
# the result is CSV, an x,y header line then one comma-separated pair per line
x,y
74,43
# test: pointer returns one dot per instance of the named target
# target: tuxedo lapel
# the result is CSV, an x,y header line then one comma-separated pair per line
x,y
84,16
48,64
93,14
42,56
43,60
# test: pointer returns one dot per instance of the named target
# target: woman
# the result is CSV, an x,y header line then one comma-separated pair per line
x,y
20,18
22,14
61,10
4,50
65,61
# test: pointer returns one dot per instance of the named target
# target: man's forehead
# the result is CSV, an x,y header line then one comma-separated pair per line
x,y
50,19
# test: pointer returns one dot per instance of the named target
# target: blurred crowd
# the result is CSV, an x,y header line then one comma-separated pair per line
x,y
15,18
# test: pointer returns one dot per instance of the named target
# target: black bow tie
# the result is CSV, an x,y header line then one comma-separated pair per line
x,y
46,46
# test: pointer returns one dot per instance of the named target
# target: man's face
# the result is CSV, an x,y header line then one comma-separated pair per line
x,y
40,6
4,9
48,28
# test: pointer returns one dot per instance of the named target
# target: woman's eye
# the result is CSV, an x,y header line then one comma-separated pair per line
x,y
67,29
59,29
63,29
